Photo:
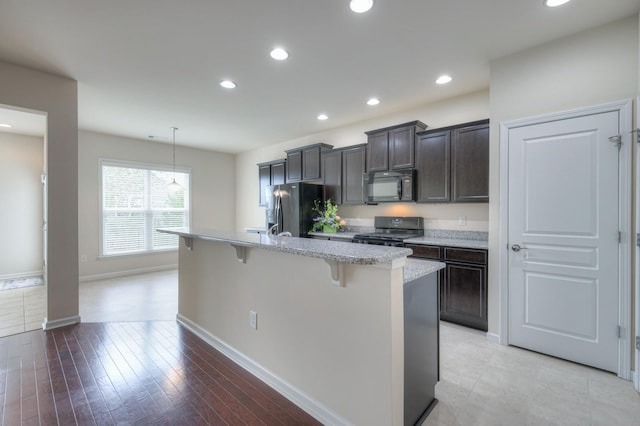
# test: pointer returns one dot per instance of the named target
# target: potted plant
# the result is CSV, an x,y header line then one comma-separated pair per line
x,y
327,220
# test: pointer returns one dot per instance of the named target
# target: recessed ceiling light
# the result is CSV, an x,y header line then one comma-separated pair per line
x,y
373,101
361,6
554,3
228,84
5,125
443,79
323,117
279,54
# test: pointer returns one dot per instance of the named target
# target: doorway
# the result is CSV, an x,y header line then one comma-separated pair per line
x,y
22,221
565,268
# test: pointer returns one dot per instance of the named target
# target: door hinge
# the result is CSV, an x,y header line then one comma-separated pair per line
x,y
617,141
638,239
619,236
638,343
637,132
619,331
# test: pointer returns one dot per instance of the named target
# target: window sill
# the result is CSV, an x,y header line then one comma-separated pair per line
x,y
137,254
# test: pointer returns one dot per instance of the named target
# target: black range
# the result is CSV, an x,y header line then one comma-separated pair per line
x,y
392,231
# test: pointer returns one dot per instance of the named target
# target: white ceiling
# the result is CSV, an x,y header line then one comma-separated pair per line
x,y
143,66
23,123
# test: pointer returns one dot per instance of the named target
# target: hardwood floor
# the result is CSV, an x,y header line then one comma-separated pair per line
x,y
131,373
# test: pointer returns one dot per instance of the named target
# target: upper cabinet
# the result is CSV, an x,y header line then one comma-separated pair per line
x,y
392,148
332,175
353,167
470,163
303,164
270,173
342,171
453,163
433,153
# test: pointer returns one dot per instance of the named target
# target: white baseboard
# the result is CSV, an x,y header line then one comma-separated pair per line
x,y
311,406
118,274
63,322
493,338
30,274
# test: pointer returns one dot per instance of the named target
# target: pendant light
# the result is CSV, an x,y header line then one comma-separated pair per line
x,y
174,186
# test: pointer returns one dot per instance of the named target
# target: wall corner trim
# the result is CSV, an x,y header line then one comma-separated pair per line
x,y
493,338
63,322
311,406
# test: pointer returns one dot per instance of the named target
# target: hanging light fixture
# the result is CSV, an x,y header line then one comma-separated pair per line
x,y
174,186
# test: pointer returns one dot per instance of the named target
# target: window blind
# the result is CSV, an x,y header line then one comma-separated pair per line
x,y
135,202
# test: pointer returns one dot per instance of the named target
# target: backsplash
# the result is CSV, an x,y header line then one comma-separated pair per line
x,y
362,225
456,235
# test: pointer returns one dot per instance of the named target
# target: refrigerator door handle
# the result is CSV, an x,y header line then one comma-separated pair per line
x,y
278,209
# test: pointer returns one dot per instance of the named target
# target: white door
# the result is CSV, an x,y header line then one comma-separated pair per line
x,y
563,214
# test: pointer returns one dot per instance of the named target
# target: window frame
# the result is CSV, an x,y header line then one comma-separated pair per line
x,y
147,211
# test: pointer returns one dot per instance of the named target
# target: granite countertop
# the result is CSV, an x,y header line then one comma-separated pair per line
x,y
451,242
417,268
436,240
335,235
360,254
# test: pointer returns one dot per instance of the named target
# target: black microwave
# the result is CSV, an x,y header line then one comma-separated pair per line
x,y
385,187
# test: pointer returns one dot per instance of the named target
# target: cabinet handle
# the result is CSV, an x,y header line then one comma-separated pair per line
x,y
517,248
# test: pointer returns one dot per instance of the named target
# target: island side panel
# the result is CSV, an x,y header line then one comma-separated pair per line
x,y
340,346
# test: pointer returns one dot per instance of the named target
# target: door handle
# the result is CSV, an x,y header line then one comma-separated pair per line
x,y
517,248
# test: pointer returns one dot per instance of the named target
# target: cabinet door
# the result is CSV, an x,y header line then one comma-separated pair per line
x,y
332,176
378,152
464,298
401,148
264,177
433,165
353,166
277,173
311,163
294,166
470,164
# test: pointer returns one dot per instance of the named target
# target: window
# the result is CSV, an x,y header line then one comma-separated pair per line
x,y
135,201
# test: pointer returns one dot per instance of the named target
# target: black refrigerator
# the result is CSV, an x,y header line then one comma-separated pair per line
x,y
290,205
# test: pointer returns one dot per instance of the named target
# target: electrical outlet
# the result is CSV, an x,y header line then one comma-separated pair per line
x,y
253,320
462,221
83,258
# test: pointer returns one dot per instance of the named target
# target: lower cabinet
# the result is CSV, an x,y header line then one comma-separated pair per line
x,y
463,283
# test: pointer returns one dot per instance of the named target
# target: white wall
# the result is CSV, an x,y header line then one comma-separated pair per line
x,y
21,165
212,198
593,67
342,347
58,98
462,109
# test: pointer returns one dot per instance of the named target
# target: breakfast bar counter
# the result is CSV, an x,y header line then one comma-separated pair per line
x,y
322,322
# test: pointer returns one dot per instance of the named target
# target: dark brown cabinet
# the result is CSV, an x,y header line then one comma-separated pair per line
x,y
294,166
463,283
392,148
342,171
433,152
332,176
470,164
270,173
303,164
353,167
453,163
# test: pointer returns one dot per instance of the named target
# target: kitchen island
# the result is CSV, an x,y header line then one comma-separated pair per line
x,y
320,321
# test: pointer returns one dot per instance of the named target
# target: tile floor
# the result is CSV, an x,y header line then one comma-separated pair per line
x,y
22,309
481,383
485,383
143,297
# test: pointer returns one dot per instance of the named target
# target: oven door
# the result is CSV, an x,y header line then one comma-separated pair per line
x,y
379,242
